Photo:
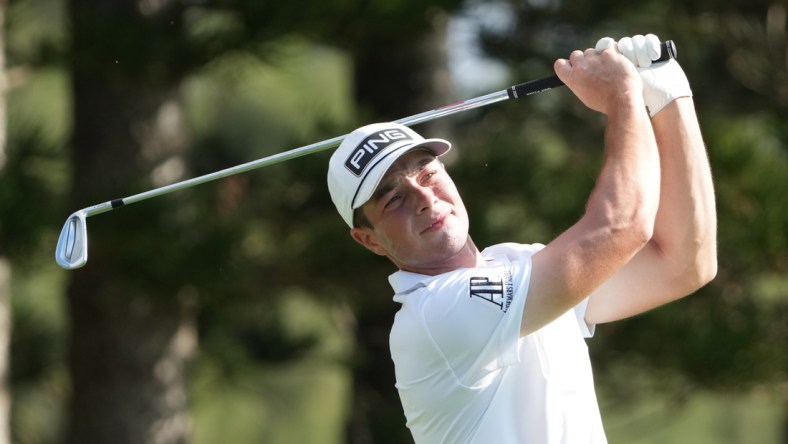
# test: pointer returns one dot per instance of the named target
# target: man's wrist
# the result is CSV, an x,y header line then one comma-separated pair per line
x,y
662,84
627,104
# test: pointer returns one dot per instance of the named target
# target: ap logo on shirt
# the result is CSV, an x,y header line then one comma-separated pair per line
x,y
497,289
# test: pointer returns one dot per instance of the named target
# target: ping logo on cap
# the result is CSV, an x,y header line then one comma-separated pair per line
x,y
370,147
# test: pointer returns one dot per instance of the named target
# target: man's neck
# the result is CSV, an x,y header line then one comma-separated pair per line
x,y
468,257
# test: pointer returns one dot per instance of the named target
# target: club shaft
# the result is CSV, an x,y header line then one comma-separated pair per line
x,y
513,92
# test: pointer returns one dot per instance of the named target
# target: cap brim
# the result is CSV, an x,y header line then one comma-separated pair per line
x,y
372,179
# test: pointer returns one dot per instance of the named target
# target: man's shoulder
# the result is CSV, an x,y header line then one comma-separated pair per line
x,y
511,250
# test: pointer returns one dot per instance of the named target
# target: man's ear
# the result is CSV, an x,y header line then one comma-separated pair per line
x,y
366,237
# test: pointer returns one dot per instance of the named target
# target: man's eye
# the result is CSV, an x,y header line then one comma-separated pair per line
x,y
392,200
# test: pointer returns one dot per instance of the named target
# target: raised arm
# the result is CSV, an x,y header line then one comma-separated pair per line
x,y
682,254
621,210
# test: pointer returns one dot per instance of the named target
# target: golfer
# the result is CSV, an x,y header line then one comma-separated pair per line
x,y
488,345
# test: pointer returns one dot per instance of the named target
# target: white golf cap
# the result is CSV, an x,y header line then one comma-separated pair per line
x,y
361,161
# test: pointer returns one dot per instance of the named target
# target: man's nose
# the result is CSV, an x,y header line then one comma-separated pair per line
x,y
424,198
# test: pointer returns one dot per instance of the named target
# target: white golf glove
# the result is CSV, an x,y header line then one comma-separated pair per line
x,y
663,82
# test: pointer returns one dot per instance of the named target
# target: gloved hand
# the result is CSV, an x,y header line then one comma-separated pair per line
x,y
663,82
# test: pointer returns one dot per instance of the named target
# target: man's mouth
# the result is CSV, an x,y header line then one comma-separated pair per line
x,y
436,223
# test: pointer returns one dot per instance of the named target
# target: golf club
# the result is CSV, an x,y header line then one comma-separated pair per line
x,y
72,245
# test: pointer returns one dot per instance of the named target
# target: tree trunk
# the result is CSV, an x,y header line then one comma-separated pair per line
x,y
131,336
132,331
127,361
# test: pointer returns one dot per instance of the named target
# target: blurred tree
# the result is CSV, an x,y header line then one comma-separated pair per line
x,y
32,183
261,344
132,330
5,265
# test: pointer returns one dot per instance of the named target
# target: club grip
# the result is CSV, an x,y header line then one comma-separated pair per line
x,y
534,86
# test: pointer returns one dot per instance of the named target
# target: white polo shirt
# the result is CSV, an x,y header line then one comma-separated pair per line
x,y
463,373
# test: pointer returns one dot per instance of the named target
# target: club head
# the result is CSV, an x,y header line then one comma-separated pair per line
x,y
72,246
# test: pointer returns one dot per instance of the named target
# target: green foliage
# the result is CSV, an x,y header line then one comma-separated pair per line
x,y
35,33
247,391
35,173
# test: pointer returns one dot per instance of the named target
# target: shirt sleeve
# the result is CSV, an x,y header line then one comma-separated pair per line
x,y
580,313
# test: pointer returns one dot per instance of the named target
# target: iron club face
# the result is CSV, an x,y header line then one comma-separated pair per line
x,y
72,245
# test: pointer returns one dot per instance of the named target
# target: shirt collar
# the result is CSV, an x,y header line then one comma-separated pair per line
x,y
406,281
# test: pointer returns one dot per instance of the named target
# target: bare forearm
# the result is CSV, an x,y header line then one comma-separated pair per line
x,y
685,229
627,188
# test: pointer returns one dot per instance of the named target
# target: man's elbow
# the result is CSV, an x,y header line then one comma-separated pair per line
x,y
707,270
701,271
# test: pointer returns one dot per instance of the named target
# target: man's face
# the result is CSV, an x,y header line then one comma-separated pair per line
x,y
418,218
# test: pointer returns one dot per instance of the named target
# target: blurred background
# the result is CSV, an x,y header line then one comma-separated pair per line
x,y
240,311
